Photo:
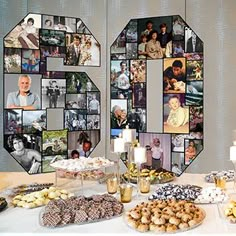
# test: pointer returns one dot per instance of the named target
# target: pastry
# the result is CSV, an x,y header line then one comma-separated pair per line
x,y
143,227
174,220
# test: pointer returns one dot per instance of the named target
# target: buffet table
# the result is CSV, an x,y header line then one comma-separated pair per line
x,y
20,220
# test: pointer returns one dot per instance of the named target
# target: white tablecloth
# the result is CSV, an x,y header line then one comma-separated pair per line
x,y
19,220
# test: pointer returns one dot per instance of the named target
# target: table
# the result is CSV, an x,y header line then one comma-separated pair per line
x,y
19,220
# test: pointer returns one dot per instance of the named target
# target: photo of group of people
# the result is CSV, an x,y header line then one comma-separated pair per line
x,y
30,89
168,38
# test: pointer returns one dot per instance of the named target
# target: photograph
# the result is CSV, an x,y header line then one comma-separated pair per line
x,y
34,121
81,27
53,93
51,51
119,44
83,50
79,82
120,75
30,61
178,48
177,163
53,74
12,60
192,149
178,28
75,120
118,56
12,121
93,102
174,75
196,118
25,149
83,141
59,23
93,122
139,95
54,142
157,150
76,101
118,113
138,71
194,70
28,86
194,93
51,37
48,160
192,42
177,144
25,34
132,31
131,50
176,114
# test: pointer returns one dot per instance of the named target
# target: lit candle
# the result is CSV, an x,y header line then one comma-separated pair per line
x,y
119,145
233,153
140,155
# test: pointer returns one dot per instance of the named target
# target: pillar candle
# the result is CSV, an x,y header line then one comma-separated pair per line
x,y
119,145
127,135
140,155
233,153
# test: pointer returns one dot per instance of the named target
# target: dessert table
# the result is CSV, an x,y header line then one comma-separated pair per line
x,y
20,220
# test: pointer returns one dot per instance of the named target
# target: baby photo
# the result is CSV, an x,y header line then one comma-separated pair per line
x,y
192,149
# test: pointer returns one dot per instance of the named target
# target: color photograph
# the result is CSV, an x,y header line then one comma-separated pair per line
x,y
12,60
12,121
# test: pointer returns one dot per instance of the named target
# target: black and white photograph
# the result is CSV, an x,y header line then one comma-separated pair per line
x,y
82,49
51,51
48,160
12,121
157,150
192,42
177,164
34,121
93,102
79,82
54,142
139,95
53,93
194,93
83,141
118,56
75,120
12,60
178,28
62,23
52,38
30,61
25,34
194,70
138,71
93,122
119,45
131,50
53,74
28,86
132,32
81,27
137,119
76,101
25,149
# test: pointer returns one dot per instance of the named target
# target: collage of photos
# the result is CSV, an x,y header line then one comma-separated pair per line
x,y
30,89
168,38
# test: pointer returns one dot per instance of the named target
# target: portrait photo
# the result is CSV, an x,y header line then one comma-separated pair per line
x,y
83,141
157,150
25,149
118,114
51,37
62,23
139,95
76,101
54,142
178,28
51,51
196,118
194,93
132,31
192,42
34,121
12,121
79,82
22,91
75,119
53,93
48,160
174,75
30,61
195,70
82,49
25,34
12,60
93,103
176,114
138,71
119,45
93,122
191,149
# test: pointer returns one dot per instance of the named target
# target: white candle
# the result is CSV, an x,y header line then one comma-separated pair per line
x,y
140,155
127,135
234,137
119,145
233,153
